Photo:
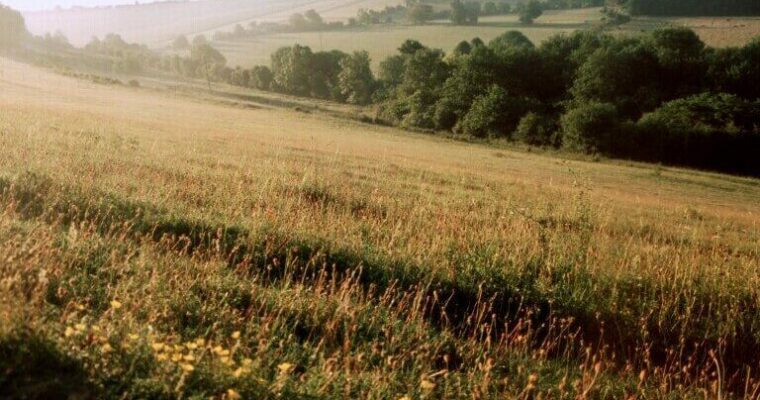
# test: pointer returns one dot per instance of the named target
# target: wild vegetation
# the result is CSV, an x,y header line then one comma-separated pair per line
x,y
296,256
200,242
694,7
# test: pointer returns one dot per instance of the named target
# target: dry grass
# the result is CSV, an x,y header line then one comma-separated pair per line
x,y
382,41
332,247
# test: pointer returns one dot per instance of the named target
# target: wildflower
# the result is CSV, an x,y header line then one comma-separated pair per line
x,y
106,348
189,357
200,342
191,345
187,367
238,372
427,385
232,394
177,357
285,368
69,331
80,327
236,335
157,346
115,305
404,398
247,362
226,360
162,357
133,337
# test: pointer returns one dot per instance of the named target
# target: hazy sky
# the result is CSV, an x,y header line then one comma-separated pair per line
x,y
28,5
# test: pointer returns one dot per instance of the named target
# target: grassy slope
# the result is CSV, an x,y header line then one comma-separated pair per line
x,y
98,183
157,23
382,41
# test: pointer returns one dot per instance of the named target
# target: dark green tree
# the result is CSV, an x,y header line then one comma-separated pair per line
x,y
355,78
528,12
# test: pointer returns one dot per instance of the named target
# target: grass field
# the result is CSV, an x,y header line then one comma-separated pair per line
x,y
168,247
160,22
382,41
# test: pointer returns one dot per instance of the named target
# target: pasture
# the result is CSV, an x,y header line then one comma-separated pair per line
x,y
382,41
166,247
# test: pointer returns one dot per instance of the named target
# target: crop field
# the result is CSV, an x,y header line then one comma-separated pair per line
x,y
382,41
160,22
157,246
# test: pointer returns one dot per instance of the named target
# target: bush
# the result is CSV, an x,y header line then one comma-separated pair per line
x,y
494,113
717,131
590,127
537,130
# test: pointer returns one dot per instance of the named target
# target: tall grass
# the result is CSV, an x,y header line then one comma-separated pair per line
x,y
151,253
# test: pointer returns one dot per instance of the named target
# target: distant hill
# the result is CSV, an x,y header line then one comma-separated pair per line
x,y
154,23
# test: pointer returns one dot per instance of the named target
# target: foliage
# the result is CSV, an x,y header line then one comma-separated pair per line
x,y
464,13
590,127
355,78
12,27
529,11
494,113
694,7
538,130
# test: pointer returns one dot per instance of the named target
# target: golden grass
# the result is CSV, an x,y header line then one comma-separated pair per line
x,y
459,212
382,41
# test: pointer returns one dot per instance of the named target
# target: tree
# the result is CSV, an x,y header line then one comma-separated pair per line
x,y
12,27
508,41
181,43
463,48
538,130
291,69
736,70
420,13
464,14
530,11
590,127
208,59
681,55
493,113
313,19
472,76
297,21
625,73
261,77
355,78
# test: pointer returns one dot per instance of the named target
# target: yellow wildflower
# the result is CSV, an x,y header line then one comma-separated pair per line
x,y
115,305
285,368
187,367
427,385
236,335
232,394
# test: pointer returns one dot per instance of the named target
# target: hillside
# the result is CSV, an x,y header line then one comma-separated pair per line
x,y
152,23
160,246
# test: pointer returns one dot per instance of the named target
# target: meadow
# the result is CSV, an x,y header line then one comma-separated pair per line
x,y
383,40
161,246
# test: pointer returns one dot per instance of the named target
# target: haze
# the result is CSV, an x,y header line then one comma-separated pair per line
x,y
37,5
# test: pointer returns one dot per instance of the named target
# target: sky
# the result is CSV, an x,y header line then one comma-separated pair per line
x,y
35,5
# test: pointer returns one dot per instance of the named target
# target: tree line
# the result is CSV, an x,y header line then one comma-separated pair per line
x,y
694,7
661,97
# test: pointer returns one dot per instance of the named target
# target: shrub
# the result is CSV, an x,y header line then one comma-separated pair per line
x,y
590,127
538,130
494,113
